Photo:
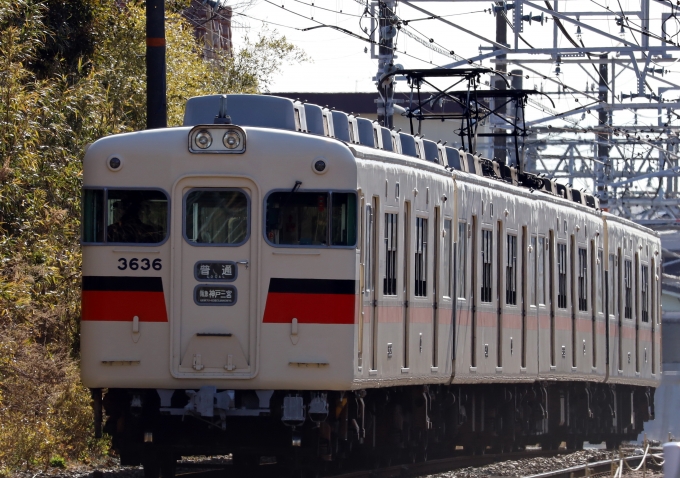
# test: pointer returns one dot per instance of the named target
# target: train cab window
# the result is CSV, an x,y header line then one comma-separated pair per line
x,y
390,272
540,268
582,279
511,271
461,260
487,257
311,219
628,286
130,216
420,286
217,217
644,288
561,276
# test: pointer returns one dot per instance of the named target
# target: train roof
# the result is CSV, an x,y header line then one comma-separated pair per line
x,y
283,113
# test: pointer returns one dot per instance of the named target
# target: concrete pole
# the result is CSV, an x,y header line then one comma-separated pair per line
x,y
156,102
387,31
500,142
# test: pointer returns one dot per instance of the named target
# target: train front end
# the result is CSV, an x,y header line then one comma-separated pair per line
x,y
219,288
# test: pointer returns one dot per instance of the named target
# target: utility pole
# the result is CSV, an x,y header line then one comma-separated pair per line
x,y
156,102
602,166
387,31
500,142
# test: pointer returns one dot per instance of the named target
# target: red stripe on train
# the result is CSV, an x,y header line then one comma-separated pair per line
x,y
123,306
282,307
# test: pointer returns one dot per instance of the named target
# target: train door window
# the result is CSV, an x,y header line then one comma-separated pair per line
x,y
216,217
533,270
612,285
644,296
582,279
540,266
131,216
511,270
487,257
461,279
390,272
561,276
628,289
368,254
447,258
600,281
420,284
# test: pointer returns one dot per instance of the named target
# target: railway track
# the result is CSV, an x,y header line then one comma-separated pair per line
x,y
602,467
207,470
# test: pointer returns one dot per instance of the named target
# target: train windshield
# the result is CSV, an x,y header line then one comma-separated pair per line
x,y
311,218
216,217
132,216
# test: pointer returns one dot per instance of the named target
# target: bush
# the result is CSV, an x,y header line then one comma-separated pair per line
x,y
55,97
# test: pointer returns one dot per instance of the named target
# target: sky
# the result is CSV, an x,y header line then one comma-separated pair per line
x,y
343,63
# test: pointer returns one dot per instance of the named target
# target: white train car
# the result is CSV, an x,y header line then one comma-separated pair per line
x,y
295,276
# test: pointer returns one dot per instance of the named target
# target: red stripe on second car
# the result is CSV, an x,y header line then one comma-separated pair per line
x,y
282,308
123,306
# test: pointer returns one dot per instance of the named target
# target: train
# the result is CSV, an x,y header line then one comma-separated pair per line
x,y
279,279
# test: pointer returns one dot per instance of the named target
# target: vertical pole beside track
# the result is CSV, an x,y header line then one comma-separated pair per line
x,y
156,104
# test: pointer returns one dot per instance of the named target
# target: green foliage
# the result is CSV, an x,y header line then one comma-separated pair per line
x,y
72,72
58,462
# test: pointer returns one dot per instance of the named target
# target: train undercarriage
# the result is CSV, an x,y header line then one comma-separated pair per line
x,y
331,430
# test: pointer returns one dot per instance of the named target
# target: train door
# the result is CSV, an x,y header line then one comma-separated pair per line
x,y
551,296
370,270
362,278
406,281
474,295
436,286
215,270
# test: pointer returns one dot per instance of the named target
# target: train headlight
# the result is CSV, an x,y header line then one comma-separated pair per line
x,y
203,139
232,139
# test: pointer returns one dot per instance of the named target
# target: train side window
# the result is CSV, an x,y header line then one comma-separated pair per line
x,y
390,272
218,217
540,266
305,219
93,214
628,286
124,216
461,260
561,276
448,258
534,272
511,271
582,279
644,287
420,285
487,257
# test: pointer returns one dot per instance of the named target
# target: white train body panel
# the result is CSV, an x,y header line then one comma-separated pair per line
x,y
455,277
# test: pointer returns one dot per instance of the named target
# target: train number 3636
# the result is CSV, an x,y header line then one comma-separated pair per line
x,y
143,264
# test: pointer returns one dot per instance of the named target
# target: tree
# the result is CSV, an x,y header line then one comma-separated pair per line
x,y
72,72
